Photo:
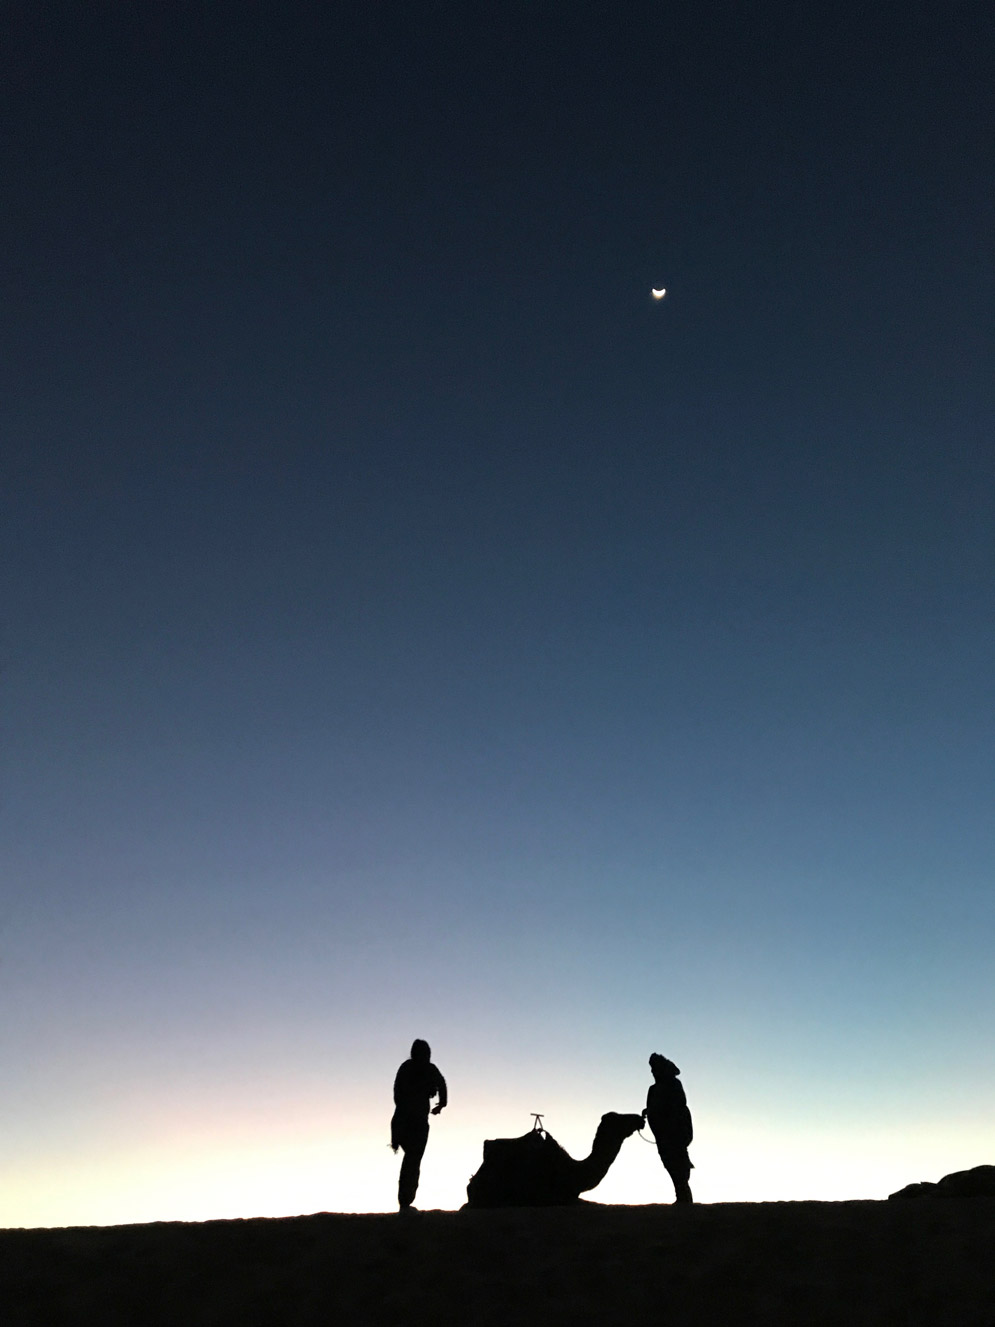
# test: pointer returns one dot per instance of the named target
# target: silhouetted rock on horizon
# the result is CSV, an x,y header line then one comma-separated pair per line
x,y
979,1182
919,1190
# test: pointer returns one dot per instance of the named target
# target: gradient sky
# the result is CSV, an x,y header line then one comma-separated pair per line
x,y
409,628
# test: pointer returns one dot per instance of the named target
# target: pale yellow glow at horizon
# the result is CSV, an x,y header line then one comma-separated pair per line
x,y
273,1178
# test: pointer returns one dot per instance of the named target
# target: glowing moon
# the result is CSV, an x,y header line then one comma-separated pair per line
x,y
659,294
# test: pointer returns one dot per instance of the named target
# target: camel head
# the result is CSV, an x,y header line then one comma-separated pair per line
x,y
611,1133
620,1126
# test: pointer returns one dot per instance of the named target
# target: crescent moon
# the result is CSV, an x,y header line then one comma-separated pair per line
x,y
659,294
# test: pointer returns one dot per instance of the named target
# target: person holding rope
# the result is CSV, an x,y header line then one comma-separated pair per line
x,y
668,1116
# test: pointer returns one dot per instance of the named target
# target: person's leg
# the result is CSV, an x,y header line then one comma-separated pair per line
x,y
677,1164
682,1189
413,1144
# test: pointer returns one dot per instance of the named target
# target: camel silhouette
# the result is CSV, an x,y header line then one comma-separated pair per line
x,y
535,1171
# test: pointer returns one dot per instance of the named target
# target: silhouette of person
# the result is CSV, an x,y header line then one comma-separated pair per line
x,y
416,1083
668,1116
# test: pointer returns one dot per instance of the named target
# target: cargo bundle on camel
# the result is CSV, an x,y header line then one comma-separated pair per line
x,y
535,1171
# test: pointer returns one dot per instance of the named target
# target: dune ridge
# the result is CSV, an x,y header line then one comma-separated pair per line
x,y
860,1262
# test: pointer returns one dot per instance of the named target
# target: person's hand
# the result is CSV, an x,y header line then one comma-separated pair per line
x,y
436,1110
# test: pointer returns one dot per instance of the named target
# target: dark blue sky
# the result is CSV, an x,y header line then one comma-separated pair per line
x,y
407,620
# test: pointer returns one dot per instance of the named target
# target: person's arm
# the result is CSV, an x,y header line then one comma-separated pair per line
x,y
685,1118
399,1078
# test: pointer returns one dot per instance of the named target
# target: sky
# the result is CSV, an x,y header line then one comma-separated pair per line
x,y
410,628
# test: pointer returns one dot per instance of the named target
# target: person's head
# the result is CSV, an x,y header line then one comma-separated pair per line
x,y
661,1067
420,1050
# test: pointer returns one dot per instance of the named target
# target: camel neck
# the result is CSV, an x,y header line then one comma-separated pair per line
x,y
605,1148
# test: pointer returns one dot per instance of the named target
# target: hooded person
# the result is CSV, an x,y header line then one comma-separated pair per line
x,y
415,1084
668,1116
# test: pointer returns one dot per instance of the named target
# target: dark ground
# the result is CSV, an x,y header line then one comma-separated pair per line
x,y
923,1262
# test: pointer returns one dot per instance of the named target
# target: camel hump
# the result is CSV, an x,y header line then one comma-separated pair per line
x,y
515,1170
